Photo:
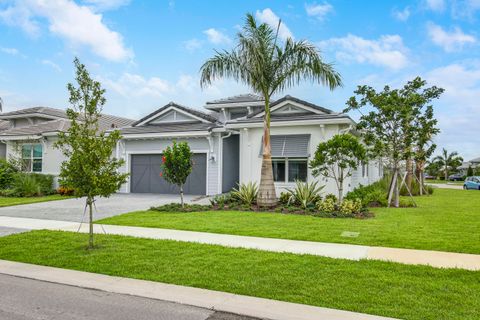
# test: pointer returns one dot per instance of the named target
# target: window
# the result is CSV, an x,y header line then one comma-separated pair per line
x,y
297,170
289,170
278,170
32,157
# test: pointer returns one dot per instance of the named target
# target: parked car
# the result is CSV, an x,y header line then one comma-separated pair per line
x,y
455,177
472,183
430,177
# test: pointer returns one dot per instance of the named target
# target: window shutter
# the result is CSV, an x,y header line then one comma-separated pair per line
x,y
289,146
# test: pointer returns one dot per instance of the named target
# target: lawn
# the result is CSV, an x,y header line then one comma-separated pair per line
x,y
448,220
388,289
14,201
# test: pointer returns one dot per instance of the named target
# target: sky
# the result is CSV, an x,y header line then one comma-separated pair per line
x,y
148,53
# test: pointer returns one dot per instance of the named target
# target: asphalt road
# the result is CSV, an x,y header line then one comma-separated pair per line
x,y
26,299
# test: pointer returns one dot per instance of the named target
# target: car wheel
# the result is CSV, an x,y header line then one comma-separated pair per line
x,y
465,187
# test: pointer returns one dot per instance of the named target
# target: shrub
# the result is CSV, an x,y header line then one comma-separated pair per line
x,y
372,195
222,200
305,194
284,197
25,185
246,193
65,191
350,206
329,205
7,172
331,196
415,190
45,181
177,207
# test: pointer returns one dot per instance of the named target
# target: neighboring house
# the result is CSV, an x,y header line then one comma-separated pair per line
x,y
227,144
474,164
226,141
29,134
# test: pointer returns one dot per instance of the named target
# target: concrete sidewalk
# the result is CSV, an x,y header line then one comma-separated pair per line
x,y
208,299
436,259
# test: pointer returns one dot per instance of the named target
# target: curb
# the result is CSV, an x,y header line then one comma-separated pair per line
x,y
203,298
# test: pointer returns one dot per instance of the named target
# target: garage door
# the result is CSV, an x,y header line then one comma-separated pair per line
x,y
145,175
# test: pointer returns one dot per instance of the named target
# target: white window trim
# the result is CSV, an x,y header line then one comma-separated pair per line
x,y
286,168
31,155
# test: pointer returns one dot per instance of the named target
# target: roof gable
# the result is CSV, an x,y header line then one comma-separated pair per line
x,y
174,113
289,105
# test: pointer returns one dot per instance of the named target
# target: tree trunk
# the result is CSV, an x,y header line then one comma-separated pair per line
x,y
266,191
409,178
90,222
446,173
396,201
340,187
181,196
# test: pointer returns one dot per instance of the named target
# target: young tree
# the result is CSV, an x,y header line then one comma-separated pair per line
x,y
177,165
426,129
268,68
469,171
389,129
337,158
90,168
449,162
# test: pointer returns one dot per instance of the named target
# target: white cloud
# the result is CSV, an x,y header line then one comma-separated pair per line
x,y
402,15
388,51
449,41
435,5
269,17
192,44
458,110
465,9
319,11
134,85
52,64
10,51
102,5
78,25
216,37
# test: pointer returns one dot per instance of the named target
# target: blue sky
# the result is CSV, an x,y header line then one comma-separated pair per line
x,y
147,53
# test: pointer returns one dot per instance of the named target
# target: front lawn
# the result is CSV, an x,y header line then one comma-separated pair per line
x,y
14,201
382,288
448,220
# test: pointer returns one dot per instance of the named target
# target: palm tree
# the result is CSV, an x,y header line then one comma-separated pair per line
x,y
448,161
268,68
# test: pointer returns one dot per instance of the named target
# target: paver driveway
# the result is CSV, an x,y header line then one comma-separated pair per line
x,y
73,209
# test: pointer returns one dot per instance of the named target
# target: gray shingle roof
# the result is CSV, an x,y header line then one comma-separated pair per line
x,y
249,97
290,98
476,160
164,128
106,122
194,112
42,110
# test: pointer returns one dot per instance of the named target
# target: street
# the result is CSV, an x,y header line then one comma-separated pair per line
x,y
26,299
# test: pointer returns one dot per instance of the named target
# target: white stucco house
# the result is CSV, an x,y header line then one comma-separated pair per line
x,y
226,139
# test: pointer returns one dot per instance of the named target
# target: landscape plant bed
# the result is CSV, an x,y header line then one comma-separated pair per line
x,y
175,207
373,287
446,221
14,201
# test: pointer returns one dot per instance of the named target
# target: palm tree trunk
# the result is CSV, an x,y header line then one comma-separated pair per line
x,y
266,191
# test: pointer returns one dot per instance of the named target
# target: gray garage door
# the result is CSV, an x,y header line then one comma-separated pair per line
x,y
145,175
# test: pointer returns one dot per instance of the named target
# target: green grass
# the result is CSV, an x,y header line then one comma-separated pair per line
x,y
14,201
449,220
374,287
459,183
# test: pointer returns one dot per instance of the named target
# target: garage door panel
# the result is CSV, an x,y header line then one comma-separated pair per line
x,y
145,175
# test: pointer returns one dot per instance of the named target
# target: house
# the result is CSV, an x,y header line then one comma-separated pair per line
x,y
225,138
28,136
474,164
